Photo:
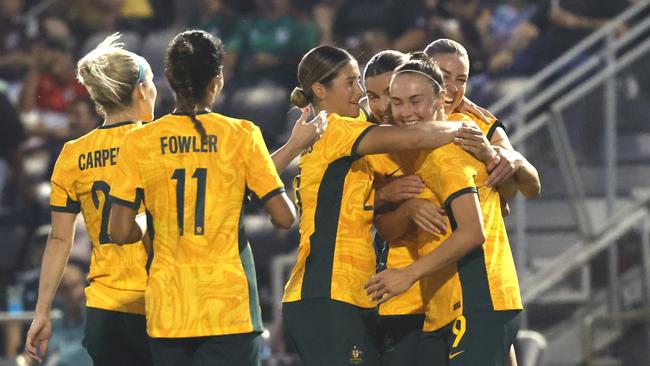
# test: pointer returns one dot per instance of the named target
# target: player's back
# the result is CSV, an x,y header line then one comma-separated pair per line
x,y
81,182
202,278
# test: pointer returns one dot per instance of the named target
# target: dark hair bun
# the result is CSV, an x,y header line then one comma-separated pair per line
x,y
299,98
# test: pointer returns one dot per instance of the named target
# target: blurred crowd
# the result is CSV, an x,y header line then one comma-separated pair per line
x,y
42,105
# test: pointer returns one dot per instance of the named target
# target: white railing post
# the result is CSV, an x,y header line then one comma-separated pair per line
x,y
611,168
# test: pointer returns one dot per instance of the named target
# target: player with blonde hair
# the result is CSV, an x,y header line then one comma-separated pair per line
x,y
120,83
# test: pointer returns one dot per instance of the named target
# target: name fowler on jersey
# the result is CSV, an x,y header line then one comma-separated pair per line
x,y
98,158
187,144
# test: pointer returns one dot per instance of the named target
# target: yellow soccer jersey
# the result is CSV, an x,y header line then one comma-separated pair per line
x,y
335,195
201,273
484,279
83,178
401,252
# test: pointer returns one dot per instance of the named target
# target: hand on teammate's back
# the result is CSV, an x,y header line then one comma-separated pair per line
x,y
400,188
38,337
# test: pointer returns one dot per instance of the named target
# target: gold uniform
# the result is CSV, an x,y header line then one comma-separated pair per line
x,y
83,178
403,251
201,272
484,279
335,196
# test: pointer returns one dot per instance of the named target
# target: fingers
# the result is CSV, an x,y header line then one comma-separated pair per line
x,y
430,221
425,225
304,115
493,163
502,172
470,131
30,348
385,296
43,347
486,112
373,285
476,144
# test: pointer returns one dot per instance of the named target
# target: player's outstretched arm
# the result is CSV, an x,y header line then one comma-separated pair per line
x,y
55,258
304,134
421,135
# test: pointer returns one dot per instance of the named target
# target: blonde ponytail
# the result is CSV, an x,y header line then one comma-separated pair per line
x,y
110,74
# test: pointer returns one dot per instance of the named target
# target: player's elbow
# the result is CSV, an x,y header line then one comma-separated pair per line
x,y
284,220
475,237
282,211
533,190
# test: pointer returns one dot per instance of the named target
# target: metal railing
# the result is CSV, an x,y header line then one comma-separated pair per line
x,y
554,95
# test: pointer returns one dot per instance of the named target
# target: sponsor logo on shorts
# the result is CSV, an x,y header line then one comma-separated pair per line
x,y
453,355
356,355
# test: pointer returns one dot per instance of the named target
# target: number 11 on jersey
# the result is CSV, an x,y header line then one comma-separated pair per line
x,y
201,175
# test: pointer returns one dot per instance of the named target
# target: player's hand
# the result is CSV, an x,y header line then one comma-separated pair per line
x,y
305,132
506,164
426,215
38,337
472,140
400,189
466,106
387,284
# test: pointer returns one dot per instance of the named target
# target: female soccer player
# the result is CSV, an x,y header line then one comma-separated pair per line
x,y
120,83
327,315
192,168
453,60
472,273
400,320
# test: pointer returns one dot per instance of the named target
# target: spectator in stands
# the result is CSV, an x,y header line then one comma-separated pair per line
x,y
50,87
554,27
216,18
462,21
11,161
269,46
83,117
366,27
89,16
14,40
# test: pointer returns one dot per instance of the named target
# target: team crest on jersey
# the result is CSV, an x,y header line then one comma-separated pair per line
x,y
356,355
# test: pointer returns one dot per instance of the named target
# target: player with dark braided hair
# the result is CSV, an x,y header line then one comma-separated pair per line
x,y
193,167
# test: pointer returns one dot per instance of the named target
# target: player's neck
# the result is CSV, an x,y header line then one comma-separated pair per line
x,y
113,118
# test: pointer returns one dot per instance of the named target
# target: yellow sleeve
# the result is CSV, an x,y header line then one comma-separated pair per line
x,y
342,137
63,198
450,172
127,188
261,175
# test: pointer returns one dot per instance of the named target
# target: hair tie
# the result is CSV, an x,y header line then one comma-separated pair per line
x,y
140,72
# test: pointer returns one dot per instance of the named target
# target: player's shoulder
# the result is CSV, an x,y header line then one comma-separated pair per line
x,y
237,125
452,153
483,125
80,143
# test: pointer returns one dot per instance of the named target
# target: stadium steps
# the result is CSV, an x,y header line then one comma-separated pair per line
x,y
564,337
